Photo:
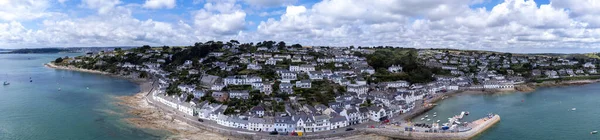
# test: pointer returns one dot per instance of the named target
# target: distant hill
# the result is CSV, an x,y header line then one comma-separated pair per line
x,y
39,50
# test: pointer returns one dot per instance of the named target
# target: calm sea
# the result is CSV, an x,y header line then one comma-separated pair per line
x,y
38,110
544,114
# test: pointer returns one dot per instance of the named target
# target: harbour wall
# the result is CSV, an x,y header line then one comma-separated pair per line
x,y
401,134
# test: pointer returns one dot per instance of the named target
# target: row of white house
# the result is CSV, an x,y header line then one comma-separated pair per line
x,y
241,80
329,119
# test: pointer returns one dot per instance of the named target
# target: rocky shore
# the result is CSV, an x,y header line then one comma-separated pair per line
x,y
530,87
147,116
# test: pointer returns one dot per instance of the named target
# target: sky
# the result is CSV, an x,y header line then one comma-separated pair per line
x,y
501,25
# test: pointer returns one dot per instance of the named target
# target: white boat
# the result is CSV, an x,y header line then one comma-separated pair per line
x,y
573,109
437,121
428,119
422,118
87,87
58,89
593,132
426,116
434,115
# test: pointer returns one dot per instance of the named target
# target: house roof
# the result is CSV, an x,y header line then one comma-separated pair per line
x,y
257,108
337,118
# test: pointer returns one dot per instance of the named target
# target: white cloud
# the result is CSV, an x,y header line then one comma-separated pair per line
x,y
510,25
224,18
158,4
23,9
103,6
270,3
447,24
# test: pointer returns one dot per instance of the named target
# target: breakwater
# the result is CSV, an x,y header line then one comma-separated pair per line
x,y
401,134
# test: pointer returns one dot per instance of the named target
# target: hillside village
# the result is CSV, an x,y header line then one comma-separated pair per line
x,y
270,86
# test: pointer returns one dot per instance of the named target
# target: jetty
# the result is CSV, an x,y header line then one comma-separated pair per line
x,y
477,127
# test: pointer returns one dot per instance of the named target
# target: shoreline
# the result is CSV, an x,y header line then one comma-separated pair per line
x,y
147,116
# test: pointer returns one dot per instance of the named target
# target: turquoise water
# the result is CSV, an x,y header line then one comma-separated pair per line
x,y
38,110
544,114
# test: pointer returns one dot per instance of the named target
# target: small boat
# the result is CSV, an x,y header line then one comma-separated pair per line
x,y
422,118
58,89
6,83
593,132
437,121
467,113
426,116
573,109
434,115
87,87
428,119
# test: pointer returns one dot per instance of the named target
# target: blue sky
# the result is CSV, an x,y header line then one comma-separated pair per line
x,y
540,25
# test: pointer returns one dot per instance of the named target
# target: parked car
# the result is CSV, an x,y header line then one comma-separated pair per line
x,y
200,120
273,133
349,129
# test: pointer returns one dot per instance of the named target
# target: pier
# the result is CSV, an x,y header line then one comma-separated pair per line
x,y
477,126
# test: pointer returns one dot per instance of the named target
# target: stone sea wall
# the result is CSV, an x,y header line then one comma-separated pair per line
x,y
401,134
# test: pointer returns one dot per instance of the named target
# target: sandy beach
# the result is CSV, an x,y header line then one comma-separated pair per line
x,y
151,117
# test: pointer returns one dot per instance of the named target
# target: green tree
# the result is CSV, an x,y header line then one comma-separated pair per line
x,y
281,45
143,74
296,46
58,60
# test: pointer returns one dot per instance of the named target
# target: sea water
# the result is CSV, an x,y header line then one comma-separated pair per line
x,y
33,108
544,114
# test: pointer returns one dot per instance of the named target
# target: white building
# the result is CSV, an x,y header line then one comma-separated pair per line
x,y
338,121
241,80
395,68
315,75
302,68
254,67
186,108
271,62
287,76
360,89
239,94
396,84
303,84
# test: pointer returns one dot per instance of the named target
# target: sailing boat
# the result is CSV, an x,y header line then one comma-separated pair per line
x,y
6,83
